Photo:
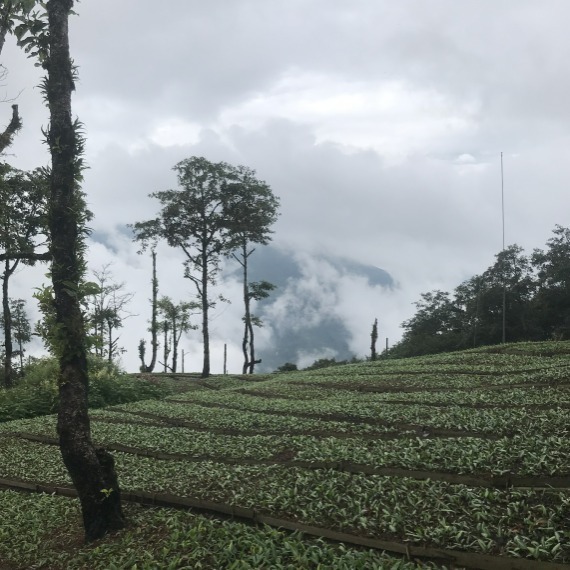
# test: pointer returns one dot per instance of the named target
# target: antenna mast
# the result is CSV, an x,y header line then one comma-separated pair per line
x,y
504,278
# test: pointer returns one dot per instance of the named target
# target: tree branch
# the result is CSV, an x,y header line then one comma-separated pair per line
x,y
27,256
15,125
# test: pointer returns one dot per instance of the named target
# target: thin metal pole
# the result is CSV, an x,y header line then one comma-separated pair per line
x,y
504,278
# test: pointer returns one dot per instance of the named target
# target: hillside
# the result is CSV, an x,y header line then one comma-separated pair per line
x,y
447,461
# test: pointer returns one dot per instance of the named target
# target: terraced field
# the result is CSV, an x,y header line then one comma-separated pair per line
x,y
449,461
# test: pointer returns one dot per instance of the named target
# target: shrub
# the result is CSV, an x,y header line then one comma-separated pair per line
x,y
36,393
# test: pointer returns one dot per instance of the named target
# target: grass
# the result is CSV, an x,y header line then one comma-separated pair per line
x,y
466,453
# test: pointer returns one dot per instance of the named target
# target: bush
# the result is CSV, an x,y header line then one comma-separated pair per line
x,y
287,367
36,394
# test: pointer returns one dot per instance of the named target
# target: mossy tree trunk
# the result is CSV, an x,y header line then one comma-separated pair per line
x,y
91,469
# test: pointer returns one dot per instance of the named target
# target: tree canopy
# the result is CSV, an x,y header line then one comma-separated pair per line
x,y
536,291
215,210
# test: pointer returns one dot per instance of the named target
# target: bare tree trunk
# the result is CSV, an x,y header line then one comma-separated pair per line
x,y
373,339
246,345
175,339
153,323
166,348
91,470
110,343
252,361
21,349
246,320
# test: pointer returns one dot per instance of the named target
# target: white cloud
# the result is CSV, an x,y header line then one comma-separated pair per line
x,y
378,123
392,117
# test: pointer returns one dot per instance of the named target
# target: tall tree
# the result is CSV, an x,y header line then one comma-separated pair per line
x,y
23,231
91,469
434,327
473,316
250,210
510,276
192,219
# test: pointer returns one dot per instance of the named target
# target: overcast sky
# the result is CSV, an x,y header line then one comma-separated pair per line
x,y
378,123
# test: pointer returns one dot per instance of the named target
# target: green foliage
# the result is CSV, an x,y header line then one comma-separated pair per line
x,y
47,328
250,207
287,367
23,211
552,299
535,290
36,393
34,530
259,290
327,362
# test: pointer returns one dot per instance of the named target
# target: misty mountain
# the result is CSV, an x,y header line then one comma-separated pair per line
x,y
302,314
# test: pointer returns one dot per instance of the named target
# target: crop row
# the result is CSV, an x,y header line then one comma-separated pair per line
x,y
34,531
451,516
518,455
474,363
540,448
336,400
505,396
509,396
248,410
245,420
435,380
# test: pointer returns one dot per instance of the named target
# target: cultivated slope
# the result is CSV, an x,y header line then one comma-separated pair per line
x,y
459,459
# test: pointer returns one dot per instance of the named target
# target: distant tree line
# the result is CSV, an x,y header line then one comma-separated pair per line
x,y
536,293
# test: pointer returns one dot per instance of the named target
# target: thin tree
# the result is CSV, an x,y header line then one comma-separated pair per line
x,y
193,220
251,210
108,311
176,321
373,340
254,291
164,327
21,327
